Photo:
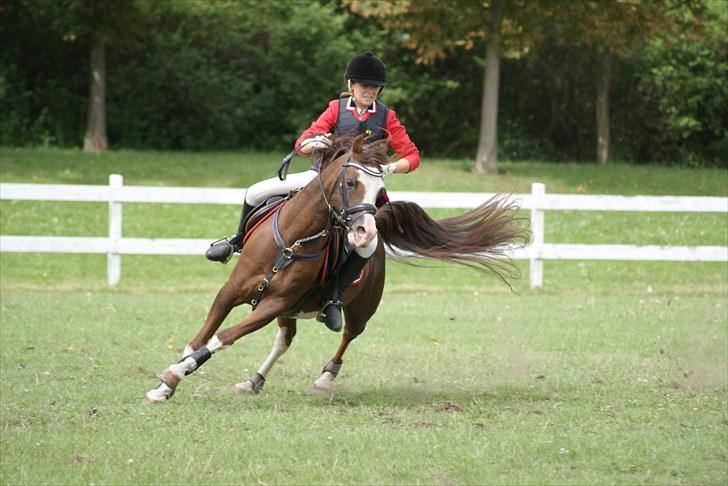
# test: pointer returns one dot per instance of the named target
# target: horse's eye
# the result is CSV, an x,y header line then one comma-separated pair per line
x,y
349,182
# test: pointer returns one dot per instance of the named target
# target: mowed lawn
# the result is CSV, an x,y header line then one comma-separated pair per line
x,y
614,372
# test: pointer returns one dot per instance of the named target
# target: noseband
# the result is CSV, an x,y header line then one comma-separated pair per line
x,y
343,217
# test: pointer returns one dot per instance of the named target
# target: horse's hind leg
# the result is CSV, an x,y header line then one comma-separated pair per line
x,y
284,337
356,320
357,313
331,369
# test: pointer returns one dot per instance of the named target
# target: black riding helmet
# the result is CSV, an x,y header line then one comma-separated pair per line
x,y
366,69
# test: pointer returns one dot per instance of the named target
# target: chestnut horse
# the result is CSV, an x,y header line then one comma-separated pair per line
x,y
280,266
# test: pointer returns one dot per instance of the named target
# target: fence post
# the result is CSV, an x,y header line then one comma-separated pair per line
x,y
113,268
538,190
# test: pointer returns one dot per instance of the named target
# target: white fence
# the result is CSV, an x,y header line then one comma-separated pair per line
x,y
115,194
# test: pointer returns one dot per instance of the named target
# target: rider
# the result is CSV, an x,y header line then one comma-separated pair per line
x,y
354,112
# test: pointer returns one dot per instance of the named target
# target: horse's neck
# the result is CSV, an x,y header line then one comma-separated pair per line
x,y
306,213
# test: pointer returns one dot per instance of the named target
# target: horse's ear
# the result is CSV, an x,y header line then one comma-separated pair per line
x,y
358,143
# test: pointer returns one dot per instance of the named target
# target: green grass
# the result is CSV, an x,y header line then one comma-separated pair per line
x,y
455,383
614,373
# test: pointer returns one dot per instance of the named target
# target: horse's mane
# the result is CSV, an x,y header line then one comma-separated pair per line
x,y
370,154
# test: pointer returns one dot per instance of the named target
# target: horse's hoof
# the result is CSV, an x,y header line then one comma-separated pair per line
x,y
245,388
324,382
321,387
160,394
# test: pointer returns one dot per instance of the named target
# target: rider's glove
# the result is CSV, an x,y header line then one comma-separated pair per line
x,y
319,142
389,169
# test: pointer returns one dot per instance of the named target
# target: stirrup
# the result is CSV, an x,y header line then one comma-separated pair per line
x,y
220,251
330,315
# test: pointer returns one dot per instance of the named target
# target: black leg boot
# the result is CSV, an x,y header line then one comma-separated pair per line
x,y
330,313
222,250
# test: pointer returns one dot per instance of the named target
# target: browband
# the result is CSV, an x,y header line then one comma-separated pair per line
x,y
367,170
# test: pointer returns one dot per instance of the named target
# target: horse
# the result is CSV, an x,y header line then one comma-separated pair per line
x,y
283,263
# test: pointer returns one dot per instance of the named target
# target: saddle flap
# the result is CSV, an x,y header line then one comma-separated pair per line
x,y
260,213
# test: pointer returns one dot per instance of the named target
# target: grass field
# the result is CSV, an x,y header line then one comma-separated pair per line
x,y
614,373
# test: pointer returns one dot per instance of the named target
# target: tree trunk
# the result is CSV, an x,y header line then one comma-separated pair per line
x,y
603,107
95,139
487,158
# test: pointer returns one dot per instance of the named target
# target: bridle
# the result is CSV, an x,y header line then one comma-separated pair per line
x,y
344,217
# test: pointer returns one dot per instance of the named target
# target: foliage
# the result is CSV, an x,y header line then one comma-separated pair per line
x,y
43,75
685,84
253,74
228,76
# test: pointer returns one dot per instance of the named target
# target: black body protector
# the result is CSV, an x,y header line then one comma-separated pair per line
x,y
346,124
375,124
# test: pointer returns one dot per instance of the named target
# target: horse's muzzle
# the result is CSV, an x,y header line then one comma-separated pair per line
x,y
363,230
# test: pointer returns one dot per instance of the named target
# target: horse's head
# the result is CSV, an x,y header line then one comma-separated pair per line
x,y
351,182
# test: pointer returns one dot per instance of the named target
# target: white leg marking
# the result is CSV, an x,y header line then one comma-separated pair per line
x,y
244,388
214,344
182,367
188,351
279,347
159,394
324,381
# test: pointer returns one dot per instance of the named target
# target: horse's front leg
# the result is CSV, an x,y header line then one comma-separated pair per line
x,y
284,337
173,374
230,295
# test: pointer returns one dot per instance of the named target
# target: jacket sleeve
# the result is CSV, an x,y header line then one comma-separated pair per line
x,y
400,141
325,123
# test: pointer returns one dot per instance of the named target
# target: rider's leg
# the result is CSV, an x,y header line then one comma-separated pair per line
x,y
330,313
222,250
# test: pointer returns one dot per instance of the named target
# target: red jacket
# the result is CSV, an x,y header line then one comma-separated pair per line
x,y
398,138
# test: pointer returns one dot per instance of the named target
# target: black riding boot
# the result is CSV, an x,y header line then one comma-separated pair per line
x,y
222,250
330,313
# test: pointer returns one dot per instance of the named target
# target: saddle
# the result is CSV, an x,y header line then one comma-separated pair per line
x,y
262,212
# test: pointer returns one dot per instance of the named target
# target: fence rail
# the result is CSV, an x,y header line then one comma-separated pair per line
x,y
115,194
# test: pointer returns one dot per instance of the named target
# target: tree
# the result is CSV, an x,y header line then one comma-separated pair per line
x,y
104,23
613,28
435,28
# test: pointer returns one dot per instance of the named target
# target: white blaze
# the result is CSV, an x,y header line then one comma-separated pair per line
x,y
364,228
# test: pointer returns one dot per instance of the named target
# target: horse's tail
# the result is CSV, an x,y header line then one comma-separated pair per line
x,y
477,238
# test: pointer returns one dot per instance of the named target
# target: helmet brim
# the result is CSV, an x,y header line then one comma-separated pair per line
x,y
372,82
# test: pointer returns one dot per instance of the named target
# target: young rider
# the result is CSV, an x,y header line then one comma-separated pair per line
x,y
355,112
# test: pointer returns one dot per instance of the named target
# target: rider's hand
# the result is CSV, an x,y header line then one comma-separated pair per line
x,y
319,142
389,169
